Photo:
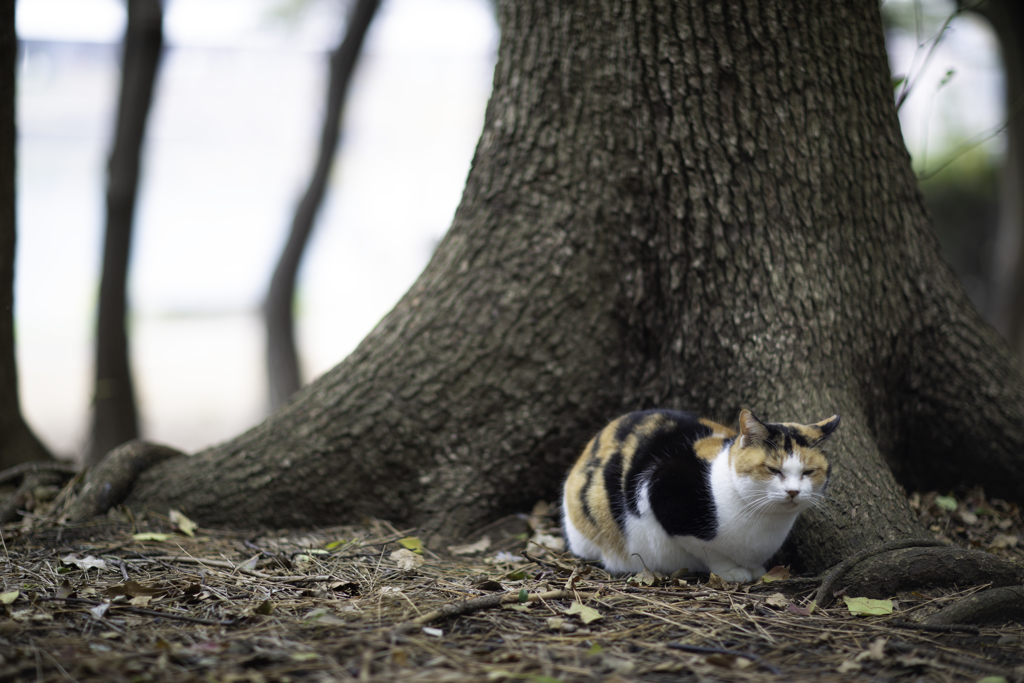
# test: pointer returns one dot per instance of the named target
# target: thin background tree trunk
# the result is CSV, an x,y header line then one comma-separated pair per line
x,y
17,442
683,204
115,418
283,374
1007,19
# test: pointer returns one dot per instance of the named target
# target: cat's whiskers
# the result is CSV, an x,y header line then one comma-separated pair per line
x,y
824,504
757,508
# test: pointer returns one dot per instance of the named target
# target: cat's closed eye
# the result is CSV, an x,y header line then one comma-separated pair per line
x,y
773,470
808,473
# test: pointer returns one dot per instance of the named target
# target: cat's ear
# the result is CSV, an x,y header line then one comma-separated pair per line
x,y
826,427
752,430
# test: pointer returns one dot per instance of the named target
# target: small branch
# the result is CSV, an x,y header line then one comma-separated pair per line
x,y
979,139
144,612
224,564
484,602
216,564
935,628
832,579
697,649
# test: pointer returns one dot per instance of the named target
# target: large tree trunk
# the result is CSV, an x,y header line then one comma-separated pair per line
x,y
115,418
681,204
17,442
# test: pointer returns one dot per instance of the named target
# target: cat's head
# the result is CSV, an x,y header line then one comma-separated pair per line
x,y
781,465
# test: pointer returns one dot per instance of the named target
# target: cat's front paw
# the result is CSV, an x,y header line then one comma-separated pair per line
x,y
736,574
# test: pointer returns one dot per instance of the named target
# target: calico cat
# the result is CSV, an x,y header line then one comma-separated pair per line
x,y
665,489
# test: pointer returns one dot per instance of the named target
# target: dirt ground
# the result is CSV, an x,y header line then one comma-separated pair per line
x,y
153,599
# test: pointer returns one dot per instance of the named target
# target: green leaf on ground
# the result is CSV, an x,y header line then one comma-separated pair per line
x,y
867,606
947,503
411,543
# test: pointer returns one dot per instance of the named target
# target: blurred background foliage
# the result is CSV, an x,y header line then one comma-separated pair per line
x,y
946,59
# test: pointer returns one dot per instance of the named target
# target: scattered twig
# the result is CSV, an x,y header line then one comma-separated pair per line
x,y
935,628
455,609
216,564
696,649
144,612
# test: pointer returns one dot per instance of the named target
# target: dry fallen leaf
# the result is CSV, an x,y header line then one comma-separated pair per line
x,y
99,610
776,574
777,600
644,578
801,611
848,666
184,524
560,624
578,572
875,651
133,589
715,581
89,562
587,614
969,517
406,559
1003,541
470,548
542,543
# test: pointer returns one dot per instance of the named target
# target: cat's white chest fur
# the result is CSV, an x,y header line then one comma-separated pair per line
x,y
752,520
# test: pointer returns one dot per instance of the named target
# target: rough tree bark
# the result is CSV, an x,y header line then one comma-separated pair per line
x,y
114,414
682,204
17,442
282,360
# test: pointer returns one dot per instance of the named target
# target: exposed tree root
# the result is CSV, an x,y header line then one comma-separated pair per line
x,y
837,573
32,475
27,468
995,605
884,575
111,480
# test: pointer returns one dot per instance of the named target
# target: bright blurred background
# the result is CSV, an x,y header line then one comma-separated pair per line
x,y
230,145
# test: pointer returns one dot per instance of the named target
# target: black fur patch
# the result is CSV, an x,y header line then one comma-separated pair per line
x,y
680,487
584,492
613,487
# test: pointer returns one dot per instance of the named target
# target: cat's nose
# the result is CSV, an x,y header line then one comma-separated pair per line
x,y
792,493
